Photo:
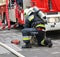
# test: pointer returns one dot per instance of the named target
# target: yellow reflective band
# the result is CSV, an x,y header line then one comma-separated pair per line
x,y
26,38
31,18
40,25
42,42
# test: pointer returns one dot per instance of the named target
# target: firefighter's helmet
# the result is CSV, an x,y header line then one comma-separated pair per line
x,y
28,11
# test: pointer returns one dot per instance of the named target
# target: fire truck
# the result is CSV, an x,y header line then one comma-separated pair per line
x,y
51,9
10,14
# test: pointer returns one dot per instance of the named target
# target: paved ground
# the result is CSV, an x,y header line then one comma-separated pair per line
x,y
7,35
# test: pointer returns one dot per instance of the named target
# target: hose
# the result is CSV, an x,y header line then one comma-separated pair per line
x,y
11,50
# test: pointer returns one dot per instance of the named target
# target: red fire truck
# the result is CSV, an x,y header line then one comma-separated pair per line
x,y
51,8
10,14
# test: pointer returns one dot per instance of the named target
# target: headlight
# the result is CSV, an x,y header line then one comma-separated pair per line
x,y
53,19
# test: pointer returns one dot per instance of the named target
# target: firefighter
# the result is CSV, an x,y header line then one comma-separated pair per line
x,y
34,22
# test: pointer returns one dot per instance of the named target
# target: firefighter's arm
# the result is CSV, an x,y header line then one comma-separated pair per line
x,y
27,24
28,21
45,21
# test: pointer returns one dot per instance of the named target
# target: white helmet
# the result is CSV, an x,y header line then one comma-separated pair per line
x,y
28,11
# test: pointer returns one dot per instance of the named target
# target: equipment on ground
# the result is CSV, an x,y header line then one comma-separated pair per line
x,y
15,41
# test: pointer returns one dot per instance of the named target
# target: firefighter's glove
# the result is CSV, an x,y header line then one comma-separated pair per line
x,y
45,21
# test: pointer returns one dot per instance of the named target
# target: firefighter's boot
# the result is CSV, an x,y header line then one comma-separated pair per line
x,y
48,42
27,44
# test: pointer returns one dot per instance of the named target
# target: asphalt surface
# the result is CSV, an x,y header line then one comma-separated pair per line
x,y
7,35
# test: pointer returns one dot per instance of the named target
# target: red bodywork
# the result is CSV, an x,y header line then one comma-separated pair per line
x,y
2,10
44,5
56,5
19,15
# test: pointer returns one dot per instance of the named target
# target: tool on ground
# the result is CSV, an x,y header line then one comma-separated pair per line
x,y
15,41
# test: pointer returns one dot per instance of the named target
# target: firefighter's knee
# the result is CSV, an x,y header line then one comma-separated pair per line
x,y
24,33
26,41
